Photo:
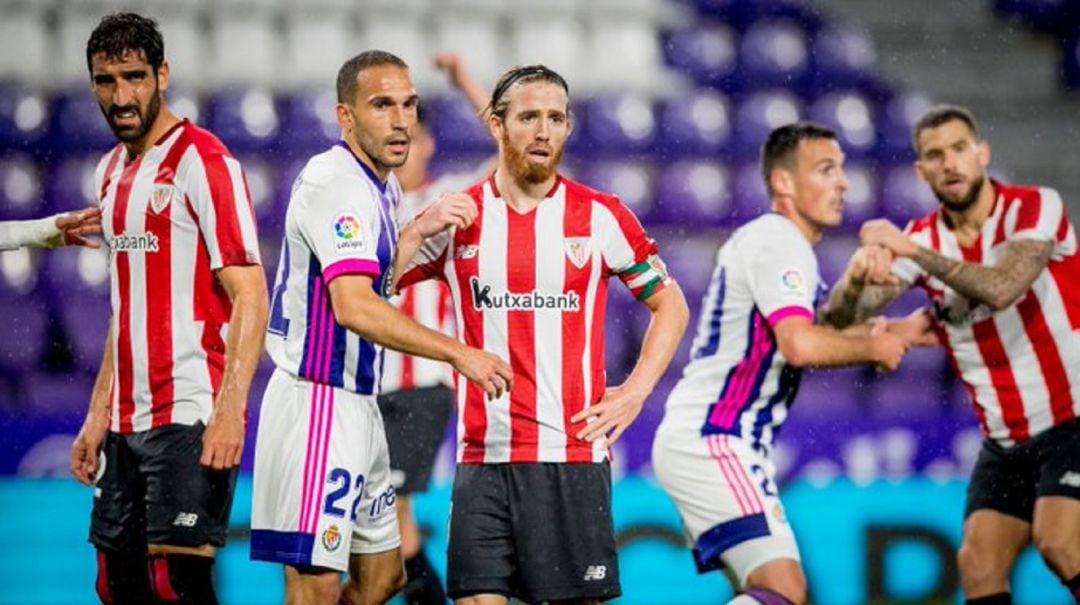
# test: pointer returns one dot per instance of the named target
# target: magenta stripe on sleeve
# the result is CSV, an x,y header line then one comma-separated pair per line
x,y
786,312
351,266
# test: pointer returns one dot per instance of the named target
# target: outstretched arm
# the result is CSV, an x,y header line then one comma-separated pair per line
x,y
68,229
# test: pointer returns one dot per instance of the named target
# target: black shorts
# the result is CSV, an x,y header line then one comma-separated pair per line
x,y
1009,480
415,422
537,532
154,491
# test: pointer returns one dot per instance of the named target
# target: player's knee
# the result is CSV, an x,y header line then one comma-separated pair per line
x,y
778,579
979,565
1060,551
122,579
183,579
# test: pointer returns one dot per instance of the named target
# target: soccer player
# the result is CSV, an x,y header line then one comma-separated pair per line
x,y
999,263
69,229
757,330
189,303
531,510
323,503
417,394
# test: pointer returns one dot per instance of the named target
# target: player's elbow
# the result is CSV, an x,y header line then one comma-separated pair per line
x,y
1002,301
796,351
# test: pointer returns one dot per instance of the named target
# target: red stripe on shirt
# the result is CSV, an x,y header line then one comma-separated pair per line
x,y
408,307
227,234
577,222
473,406
1027,217
1046,350
125,368
106,179
521,330
1065,273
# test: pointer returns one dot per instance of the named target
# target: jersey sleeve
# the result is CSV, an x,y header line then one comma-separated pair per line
x,y
218,193
339,221
1039,217
630,254
905,268
783,277
429,260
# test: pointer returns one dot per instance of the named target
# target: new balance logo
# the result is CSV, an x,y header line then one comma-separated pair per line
x,y
185,520
595,572
483,298
1071,479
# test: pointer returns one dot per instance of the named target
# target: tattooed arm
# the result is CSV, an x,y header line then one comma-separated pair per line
x,y
866,288
997,286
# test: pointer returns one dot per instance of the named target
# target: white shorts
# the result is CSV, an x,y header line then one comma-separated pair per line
x,y
726,495
322,477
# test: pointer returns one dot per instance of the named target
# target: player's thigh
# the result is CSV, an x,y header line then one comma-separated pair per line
x,y
1056,526
187,504
481,551
726,495
991,542
1004,480
574,557
118,518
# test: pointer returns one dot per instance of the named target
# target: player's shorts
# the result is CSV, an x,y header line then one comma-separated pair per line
x,y
322,477
154,491
726,495
1010,480
415,422
538,532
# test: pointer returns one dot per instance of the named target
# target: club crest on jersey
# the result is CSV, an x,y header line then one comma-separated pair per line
x,y
161,197
331,538
347,232
577,250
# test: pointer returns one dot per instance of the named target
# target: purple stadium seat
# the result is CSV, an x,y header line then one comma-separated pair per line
x,y
697,192
620,123
833,253
842,57
698,123
861,198
904,196
707,53
70,184
691,261
77,274
86,323
1050,15
24,324
852,116
774,53
633,181
456,126
308,121
1070,59
49,392
757,116
246,119
21,194
262,180
78,124
750,197
19,273
895,124
24,116
831,393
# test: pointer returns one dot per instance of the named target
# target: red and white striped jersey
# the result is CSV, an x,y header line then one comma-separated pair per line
x,y
1021,365
427,302
532,289
171,217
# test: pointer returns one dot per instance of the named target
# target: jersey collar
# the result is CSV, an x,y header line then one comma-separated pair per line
x,y
367,169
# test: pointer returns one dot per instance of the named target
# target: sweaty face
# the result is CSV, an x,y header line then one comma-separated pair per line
x,y
819,182
953,162
383,115
128,92
532,137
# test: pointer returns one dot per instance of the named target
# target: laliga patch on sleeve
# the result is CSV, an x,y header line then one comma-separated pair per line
x,y
793,283
347,233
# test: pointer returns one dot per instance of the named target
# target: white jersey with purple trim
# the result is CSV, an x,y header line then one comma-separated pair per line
x,y
340,221
737,382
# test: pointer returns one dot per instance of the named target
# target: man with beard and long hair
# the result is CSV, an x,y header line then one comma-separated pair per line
x,y
164,432
1000,264
531,514
323,502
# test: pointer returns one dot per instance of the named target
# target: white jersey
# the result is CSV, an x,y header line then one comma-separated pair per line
x,y
340,221
737,381
39,232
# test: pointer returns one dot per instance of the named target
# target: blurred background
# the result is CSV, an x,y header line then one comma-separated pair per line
x,y
671,99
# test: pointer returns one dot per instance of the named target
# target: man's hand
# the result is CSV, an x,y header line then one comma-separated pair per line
x,y
888,348
75,226
917,328
451,210
223,439
881,232
612,415
450,64
86,450
872,265
485,370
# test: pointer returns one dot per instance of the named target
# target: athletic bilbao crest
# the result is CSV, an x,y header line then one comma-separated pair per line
x,y
160,198
577,250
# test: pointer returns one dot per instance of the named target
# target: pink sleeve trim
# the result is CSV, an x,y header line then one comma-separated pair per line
x,y
350,266
793,311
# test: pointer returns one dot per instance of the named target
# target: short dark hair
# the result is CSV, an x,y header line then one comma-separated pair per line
x,y
346,76
516,75
941,114
779,148
120,33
